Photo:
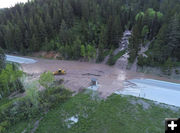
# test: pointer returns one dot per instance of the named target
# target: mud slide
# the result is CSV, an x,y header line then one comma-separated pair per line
x,y
79,74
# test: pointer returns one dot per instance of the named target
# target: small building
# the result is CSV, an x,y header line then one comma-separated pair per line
x,y
94,82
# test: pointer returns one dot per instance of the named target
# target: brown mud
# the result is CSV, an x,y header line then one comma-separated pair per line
x,y
79,74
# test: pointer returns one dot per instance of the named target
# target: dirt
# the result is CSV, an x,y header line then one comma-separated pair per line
x,y
79,74
48,55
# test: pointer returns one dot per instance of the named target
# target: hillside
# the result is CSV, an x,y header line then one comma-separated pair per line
x,y
77,29
117,114
89,66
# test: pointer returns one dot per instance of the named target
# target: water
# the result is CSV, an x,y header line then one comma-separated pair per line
x,y
156,90
20,60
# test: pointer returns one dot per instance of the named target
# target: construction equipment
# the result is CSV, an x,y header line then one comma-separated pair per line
x,y
59,72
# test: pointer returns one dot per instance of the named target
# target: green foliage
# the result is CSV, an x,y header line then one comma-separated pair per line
x,y
10,80
150,13
166,46
123,115
46,79
159,15
64,26
135,41
140,15
32,94
83,51
168,66
112,59
132,56
174,37
2,59
57,25
144,31
53,96
32,105
143,61
91,52
3,126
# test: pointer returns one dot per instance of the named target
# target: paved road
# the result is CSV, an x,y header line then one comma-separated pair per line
x,y
156,90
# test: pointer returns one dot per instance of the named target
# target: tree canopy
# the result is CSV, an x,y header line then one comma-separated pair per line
x,y
80,25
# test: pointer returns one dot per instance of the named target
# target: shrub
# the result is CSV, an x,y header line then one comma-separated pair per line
x,y
53,96
33,104
33,95
46,79
10,80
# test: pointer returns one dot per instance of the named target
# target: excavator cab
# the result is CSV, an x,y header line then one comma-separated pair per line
x,y
59,72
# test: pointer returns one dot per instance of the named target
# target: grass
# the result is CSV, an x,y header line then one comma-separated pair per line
x,y
117,114
4,101
21,126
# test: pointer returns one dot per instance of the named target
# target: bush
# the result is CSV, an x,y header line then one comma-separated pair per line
x,y
33,104
46,79
10,80
3,126
53,96
33,95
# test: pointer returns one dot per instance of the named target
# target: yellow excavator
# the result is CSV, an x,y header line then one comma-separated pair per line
x,y
59,72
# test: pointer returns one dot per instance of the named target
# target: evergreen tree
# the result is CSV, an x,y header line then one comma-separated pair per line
x,y
63,33
174,36
56,24
2,59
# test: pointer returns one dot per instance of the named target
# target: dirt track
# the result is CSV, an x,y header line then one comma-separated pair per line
x,y
79,74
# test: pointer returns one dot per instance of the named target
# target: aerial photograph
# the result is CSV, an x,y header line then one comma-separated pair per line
x,y
89,66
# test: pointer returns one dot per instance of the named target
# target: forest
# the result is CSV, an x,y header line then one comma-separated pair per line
x,y
88,28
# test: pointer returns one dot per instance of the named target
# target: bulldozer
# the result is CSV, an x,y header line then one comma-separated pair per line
x,y
59,72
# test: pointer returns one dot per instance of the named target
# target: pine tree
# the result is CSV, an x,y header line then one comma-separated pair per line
x,y
63,33
174,36
2,59
134,42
